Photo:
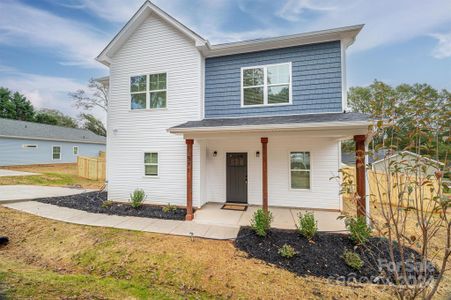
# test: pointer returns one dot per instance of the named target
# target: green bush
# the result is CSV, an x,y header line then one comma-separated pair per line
x,y
106,204
169,208
287,251
352,259
137,198
261,222
307,225
359,230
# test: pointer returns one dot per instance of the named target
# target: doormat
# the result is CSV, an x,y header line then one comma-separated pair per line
x,y
237,207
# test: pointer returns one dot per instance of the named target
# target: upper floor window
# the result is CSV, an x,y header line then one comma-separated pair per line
x,y
266,85
148,91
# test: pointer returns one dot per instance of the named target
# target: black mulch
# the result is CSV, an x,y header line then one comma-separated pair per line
x,y
322,257
96,202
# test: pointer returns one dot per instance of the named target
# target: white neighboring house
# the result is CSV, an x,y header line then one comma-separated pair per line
x,y
253,122
409,159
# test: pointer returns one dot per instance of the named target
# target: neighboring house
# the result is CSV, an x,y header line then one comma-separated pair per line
x,y
27,143
408,159
349,158
254,122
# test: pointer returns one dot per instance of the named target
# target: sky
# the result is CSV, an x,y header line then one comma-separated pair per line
x,y
47,47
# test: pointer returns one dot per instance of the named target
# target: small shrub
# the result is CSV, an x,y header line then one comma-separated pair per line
x,y
106,204
307,225
169,208
287,251
359,230
261,222
352,259
137,198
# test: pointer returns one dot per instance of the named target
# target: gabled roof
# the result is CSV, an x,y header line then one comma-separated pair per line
x,y
345,34
143,12
36,131
321,120
406,153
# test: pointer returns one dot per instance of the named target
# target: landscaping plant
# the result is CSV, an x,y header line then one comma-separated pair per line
x,y
137,198
261,222
169,208
308,226
287,251
352,259
359,231
412,208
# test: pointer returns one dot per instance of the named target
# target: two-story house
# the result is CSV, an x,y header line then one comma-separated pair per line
x,y
257,122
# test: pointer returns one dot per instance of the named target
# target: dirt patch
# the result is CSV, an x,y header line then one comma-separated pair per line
x,y
323,256
96,202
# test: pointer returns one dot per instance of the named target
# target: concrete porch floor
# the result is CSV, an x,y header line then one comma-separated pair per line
x,y
284,218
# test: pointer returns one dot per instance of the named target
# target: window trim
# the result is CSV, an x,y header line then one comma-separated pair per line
x,y
30,146
289,171
61,152
265,86
147,91
73,150
151,164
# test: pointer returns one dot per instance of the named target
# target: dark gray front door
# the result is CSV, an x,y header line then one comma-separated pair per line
x,y
237,177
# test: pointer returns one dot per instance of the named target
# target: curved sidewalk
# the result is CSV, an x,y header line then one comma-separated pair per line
x,y
172,227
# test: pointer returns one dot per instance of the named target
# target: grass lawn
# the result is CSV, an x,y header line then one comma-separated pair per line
x,y
48,259
51,175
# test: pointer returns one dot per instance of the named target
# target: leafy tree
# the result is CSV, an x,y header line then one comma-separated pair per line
x,y
55,117
97,96
93,124
15,106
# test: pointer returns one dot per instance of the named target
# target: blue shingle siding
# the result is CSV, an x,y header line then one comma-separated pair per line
x,y
316,81
12,152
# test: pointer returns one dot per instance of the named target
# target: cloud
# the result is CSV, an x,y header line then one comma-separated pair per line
x,y
74,43
293,10
111,10
443,49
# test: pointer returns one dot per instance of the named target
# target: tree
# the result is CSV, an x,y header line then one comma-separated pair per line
x,y
15,106
55,117
97,96
412,208
93,124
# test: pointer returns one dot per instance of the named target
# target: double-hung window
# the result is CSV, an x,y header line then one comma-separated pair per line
x,y
151,164
75,150
266,85
56,152
300,170
148,91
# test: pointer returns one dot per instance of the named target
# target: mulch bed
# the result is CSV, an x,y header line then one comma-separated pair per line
x,y
322,257
96,202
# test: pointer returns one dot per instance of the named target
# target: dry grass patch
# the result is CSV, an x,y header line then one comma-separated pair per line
x,y
175,266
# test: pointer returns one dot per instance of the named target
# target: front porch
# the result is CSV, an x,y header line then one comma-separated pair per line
x,y
284,217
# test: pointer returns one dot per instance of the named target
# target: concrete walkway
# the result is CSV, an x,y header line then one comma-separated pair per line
x,y
132,223
14,193
7,173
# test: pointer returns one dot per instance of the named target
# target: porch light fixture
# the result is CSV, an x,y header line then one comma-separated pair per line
x,y
215,153
257,154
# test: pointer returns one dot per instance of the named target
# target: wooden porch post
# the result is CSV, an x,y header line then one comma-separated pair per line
x,y
360,170
189,179
264,141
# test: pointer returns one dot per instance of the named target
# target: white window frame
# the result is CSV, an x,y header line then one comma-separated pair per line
x,y
61,152
147,91
309,170
73,150
151,164
266,85
30,146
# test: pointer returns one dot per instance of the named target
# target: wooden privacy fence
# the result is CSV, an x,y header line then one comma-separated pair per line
x,y
379,188
93,168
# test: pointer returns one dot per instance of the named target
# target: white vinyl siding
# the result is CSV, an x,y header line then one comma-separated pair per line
x,y
56,152
266,85
154,48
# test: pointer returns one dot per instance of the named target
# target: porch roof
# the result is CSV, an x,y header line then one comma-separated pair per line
x,y
306,121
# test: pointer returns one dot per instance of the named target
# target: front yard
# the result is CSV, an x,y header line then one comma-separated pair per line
x,y
61,260
50,175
